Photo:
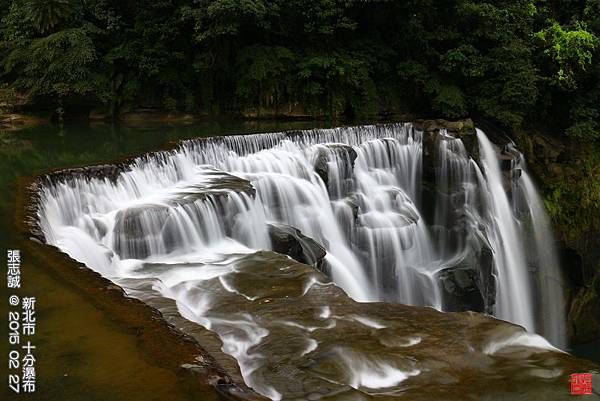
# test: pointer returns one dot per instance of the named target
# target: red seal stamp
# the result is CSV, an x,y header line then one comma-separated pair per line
x,y
581,383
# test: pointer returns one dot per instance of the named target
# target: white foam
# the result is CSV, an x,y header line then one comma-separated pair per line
x,y
325,312
368,322
312,345
410,341
371,372
521,339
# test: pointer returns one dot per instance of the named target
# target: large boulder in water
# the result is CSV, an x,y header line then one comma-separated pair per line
x,y
469,285
290,241
459,286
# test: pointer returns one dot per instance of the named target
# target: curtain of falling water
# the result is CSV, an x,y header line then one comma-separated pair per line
x,y
549,286
354,190
514,301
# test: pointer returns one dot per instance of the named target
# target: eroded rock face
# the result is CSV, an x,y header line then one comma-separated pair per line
x,y
581,261
109,172
435,132
510,167
289,241
451,126
460,286
584,312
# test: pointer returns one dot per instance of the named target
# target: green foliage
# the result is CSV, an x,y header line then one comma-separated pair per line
x,y
58,65
46,15
516,62
569,50
266,75
573,201
450,101
334,81
585,113
569,176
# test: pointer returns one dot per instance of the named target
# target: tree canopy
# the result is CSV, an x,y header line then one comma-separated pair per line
x,y
516,62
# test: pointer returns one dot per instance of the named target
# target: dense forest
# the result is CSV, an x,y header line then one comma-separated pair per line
x,y
514,62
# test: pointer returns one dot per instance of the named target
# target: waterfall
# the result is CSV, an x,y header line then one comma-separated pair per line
x,y
550,283
455,186
514,299
194,217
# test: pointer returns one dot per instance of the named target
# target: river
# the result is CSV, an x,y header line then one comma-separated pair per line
x,y
83,351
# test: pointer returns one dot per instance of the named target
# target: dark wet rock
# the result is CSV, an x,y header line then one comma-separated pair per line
x,y
469,285
428,202
516,173
581,265
290,241
346,211
506,162
432,144
509,167
459,286
109,172
216,183
430,155
575,274
144,229
487,278
451,126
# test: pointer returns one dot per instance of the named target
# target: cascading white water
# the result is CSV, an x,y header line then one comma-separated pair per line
x,y
551,303
454,179
357,191
391,232
514,300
